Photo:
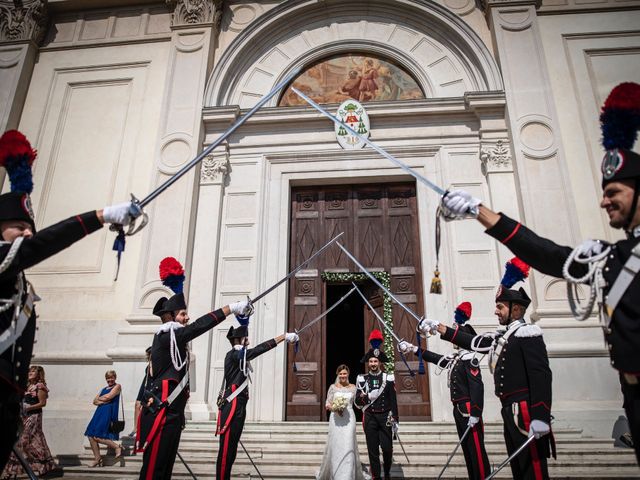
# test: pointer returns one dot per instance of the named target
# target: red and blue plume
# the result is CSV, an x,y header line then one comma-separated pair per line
x,y
515,271
17,156
462,313
172,274
620,117
376,338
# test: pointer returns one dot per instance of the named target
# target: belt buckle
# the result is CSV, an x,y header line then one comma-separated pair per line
x,y
630,379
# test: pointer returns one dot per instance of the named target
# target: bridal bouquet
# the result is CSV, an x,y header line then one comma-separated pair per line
x,y
339,403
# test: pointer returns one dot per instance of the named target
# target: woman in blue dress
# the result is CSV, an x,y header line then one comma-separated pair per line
x,y
98,432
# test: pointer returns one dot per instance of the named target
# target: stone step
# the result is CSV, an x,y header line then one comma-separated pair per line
x,y
293,450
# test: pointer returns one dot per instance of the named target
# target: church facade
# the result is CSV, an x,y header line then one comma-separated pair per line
x,y
499,97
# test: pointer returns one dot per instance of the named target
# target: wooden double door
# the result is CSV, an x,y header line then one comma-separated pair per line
x,y
380,225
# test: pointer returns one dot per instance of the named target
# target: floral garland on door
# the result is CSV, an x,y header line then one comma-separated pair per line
x,y
387,308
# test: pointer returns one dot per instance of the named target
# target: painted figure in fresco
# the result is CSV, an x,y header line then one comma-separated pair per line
x,y
352,86
368,86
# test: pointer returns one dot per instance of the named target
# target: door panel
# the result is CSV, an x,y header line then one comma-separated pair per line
x,y
381,229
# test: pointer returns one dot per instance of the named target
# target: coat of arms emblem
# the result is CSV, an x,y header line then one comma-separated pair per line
x,y
353,114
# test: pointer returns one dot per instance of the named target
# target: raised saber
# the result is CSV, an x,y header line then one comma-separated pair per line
x,y
464,435
380,320
295,270
375,280
140,204
514,455
378,149
326,312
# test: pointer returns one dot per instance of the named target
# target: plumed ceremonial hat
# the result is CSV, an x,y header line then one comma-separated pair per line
x,y
462,313
375,340
17,156
620,121
515,271
172,276
237,332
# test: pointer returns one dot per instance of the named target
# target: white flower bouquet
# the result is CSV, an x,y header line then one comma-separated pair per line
x,y
339,403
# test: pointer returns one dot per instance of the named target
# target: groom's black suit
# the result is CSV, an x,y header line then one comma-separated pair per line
x,y
375,418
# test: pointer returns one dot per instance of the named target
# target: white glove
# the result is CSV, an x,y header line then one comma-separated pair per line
x,y
374,394
243,308
590,248
291,337
472,421
405,347
427,327
458,204
538,429
120,214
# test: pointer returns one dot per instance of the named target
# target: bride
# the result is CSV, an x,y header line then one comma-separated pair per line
x,y
341,460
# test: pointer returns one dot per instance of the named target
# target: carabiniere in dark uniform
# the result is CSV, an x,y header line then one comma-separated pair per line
x,y
17,297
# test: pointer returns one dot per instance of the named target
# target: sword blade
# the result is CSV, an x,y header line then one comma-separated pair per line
x,y
375,280
295,270
149,198
380,320
250,459
454,451
378,149
402,447
514,455
187,466
326,312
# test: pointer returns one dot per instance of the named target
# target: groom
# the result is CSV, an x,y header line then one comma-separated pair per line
x,y
376,396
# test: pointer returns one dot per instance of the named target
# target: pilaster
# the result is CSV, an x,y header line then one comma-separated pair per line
x,y
538,157
22,28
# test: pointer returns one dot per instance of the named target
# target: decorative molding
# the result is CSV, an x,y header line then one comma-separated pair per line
x,y
496,158
214,169
24,20
196,12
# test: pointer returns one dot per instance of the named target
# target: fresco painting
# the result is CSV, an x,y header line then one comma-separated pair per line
x,y
359,77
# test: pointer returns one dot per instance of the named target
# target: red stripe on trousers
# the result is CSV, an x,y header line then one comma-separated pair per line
x,y
226,433
156,442
535,459
476,441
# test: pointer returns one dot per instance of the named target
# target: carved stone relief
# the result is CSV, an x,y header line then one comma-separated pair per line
x,y
495,158
26,20
194,12
214,169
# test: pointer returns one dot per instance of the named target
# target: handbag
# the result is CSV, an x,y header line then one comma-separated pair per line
x,y
116,426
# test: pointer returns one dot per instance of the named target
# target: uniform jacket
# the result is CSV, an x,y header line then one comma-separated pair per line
x,y
522,371
14,362
465,380
386,402
233,375
161,364
623,336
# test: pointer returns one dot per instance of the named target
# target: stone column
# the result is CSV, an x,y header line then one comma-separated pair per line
x,y
22,28
204,265
539,163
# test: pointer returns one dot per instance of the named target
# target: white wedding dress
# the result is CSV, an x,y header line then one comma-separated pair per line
x,y
341,460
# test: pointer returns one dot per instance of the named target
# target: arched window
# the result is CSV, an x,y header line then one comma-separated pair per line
x,y
363,77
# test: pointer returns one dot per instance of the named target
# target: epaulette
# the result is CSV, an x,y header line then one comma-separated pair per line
x,y
360,378
390,377
528,331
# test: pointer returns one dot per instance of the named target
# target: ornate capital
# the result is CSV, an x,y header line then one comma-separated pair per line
x,y
23,20
214,169
496,158
195,12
